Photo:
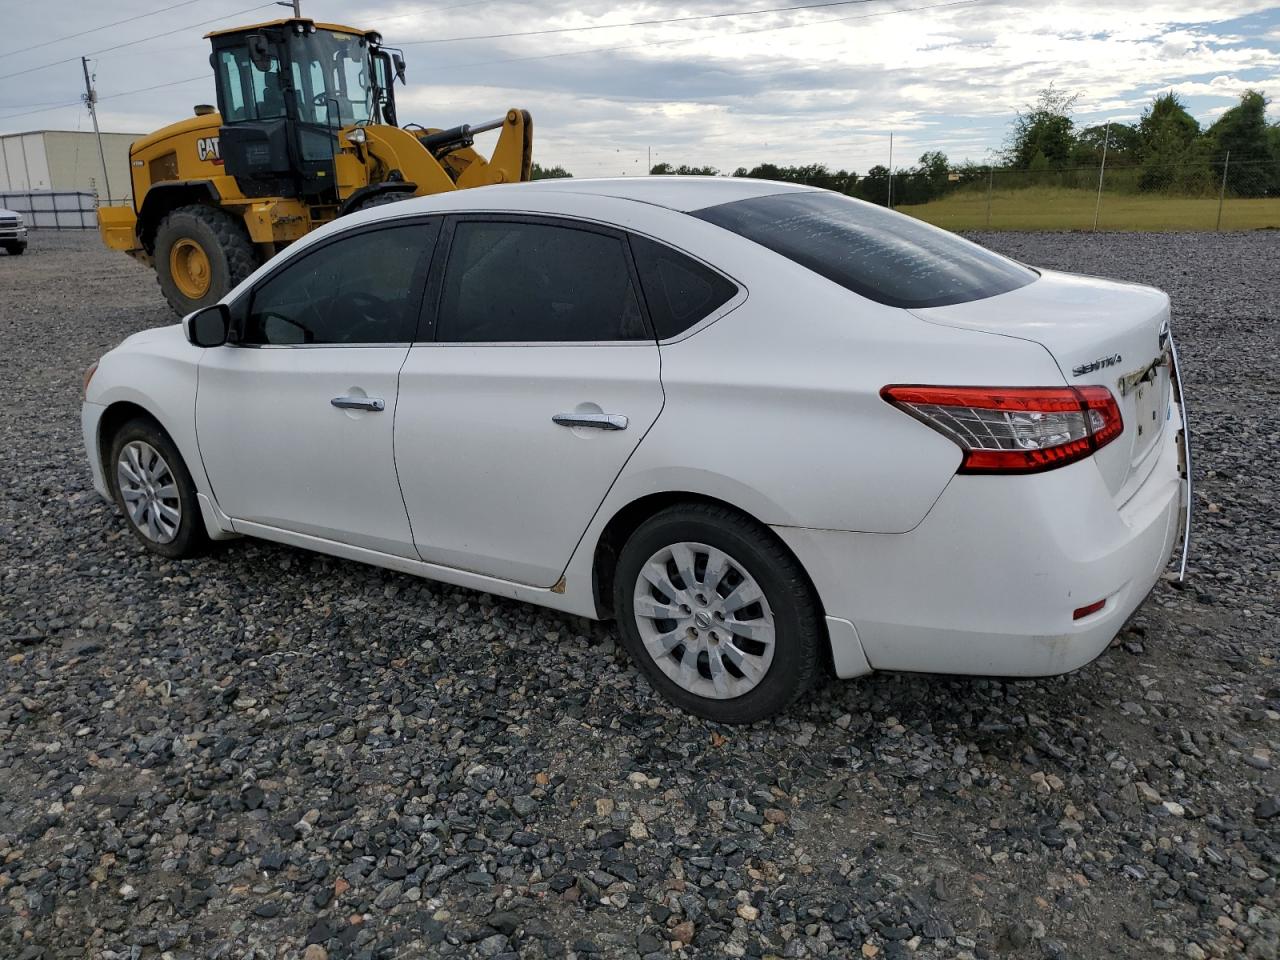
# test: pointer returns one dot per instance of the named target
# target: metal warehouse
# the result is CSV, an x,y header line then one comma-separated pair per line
x,y
65,161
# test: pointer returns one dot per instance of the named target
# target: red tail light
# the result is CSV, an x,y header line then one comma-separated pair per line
x,y
1015,429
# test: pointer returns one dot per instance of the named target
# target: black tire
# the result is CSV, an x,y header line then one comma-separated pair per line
x,y
231,254
16,249
381,200
797,619
191,538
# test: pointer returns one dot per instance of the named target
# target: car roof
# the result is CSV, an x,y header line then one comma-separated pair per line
x,y
676,193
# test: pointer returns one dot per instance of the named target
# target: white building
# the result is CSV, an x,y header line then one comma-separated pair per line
x,y
65,161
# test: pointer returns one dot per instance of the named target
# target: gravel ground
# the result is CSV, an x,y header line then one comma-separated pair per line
x,y
269,753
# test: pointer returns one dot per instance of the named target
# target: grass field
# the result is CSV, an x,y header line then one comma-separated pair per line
x,y
1061,208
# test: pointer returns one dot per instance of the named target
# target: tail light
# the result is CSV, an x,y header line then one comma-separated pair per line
x,y
1015,429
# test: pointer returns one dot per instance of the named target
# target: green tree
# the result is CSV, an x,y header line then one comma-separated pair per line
x,y
667,170
540,172
1243,132
1171,151
1044,127
1123,144
934,173
874,187
812,174
930,179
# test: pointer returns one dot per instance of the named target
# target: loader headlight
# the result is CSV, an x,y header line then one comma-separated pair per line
x,y
356,136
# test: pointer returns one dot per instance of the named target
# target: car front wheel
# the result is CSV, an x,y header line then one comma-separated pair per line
x,y
154,490
717,613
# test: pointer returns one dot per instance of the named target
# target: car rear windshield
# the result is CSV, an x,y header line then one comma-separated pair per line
x,y
882,255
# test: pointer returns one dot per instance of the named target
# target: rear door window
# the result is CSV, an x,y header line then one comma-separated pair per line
x,y
678,290
513,281
884,256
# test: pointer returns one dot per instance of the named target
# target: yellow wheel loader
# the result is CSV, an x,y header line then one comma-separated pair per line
x,y
305,131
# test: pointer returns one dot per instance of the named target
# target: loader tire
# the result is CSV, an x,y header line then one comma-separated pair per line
x,y
201,253
381,199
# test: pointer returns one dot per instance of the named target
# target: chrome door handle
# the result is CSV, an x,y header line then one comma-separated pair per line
x,y
600,421
374,404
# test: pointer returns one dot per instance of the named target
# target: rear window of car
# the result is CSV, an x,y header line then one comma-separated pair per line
x,y
884,256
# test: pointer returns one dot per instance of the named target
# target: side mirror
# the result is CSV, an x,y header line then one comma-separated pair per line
x,y
398,60
208,326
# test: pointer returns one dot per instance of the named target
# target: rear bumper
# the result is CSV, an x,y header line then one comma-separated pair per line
x,y
990,579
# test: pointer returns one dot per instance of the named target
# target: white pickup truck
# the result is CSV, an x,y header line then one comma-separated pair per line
x,y
13,232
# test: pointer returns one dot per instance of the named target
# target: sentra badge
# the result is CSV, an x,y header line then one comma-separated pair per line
x,y
1100,364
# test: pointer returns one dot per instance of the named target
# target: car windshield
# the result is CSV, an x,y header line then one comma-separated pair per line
x,y
884,256
331,75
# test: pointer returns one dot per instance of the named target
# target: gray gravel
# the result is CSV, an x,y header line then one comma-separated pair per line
x,y
267,749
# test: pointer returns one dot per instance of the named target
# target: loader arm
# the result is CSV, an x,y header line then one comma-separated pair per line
x,y
511,161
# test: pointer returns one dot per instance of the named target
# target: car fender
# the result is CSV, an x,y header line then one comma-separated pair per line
x,y
158,373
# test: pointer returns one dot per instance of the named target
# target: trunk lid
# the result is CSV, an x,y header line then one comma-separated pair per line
x,y
1099,332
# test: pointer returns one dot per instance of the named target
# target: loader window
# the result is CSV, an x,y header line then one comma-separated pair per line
x,y
364,288
331,74
510,282
247,92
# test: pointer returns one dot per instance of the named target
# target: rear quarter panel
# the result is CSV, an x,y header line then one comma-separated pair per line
x,y
776,406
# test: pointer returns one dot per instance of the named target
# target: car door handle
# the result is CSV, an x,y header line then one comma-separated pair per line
x,y
599,421
374,404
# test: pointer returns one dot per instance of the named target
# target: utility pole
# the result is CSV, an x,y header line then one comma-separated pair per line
x,y
649,169
1223,192
296,4
890,197
1106,138
90,99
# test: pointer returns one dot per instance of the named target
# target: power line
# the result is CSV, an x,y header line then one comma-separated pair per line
x,y
42,109
155,86
640,23
114,23
111,96
131,43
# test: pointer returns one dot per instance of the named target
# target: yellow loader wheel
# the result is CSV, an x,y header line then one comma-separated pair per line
x,y
201,253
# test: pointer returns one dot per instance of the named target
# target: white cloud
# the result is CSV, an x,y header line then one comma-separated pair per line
x,y
822,85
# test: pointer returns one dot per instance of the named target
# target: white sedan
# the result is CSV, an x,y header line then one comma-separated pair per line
x,y
769,429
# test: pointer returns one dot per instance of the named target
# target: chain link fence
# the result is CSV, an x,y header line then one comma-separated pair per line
x,y
1226,194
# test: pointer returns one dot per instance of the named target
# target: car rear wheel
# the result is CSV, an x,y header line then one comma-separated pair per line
x,y
717,613
154,490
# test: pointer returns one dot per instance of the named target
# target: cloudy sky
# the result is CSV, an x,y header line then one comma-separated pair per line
x,y
823,84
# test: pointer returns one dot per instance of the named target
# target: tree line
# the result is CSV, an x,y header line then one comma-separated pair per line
x,y
1167,150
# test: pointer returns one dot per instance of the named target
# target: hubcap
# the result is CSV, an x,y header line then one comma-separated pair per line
x,y
704,620
189,267
149,491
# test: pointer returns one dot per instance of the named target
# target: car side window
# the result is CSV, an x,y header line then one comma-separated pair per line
x,y
529,282
362,288
678,290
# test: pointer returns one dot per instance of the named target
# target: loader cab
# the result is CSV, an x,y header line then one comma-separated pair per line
x,y
285,90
